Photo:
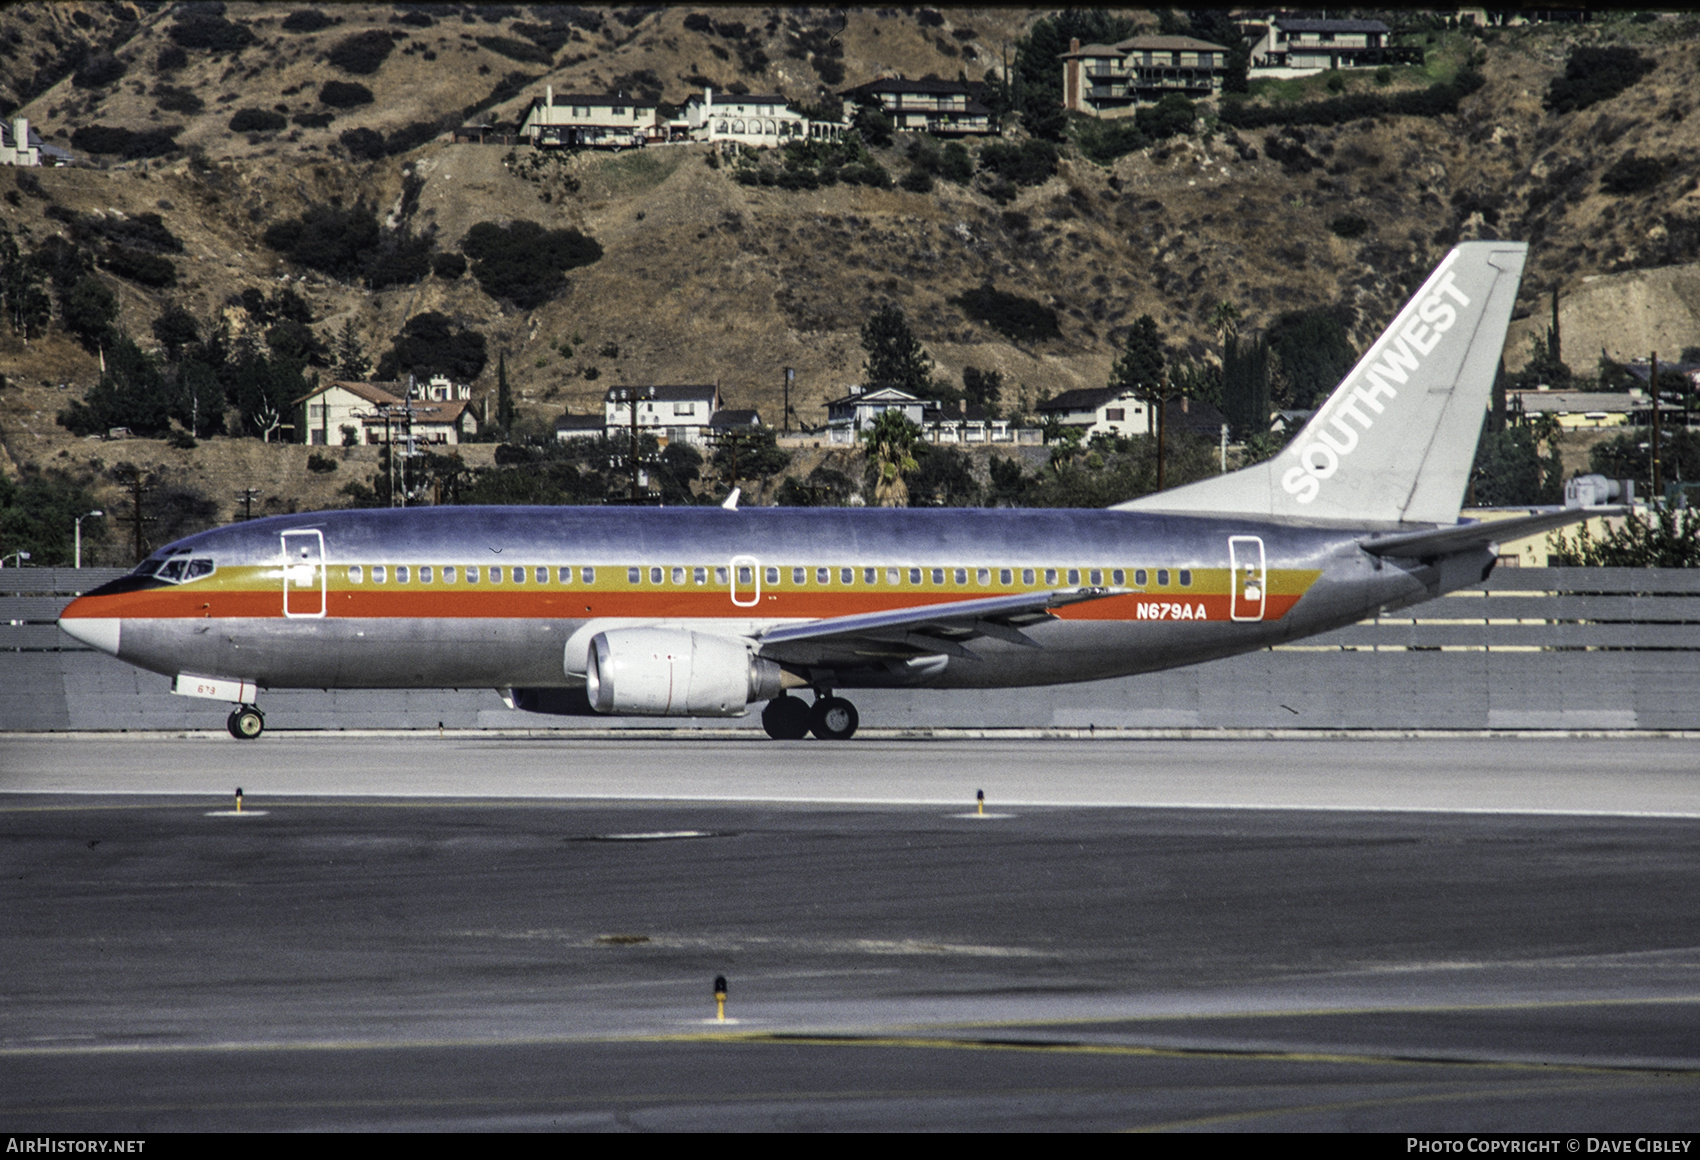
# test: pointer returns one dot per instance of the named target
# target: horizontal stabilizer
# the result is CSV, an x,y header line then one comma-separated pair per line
x,y
1466,537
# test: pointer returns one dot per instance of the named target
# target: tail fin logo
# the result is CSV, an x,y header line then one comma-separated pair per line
x,y
1329,438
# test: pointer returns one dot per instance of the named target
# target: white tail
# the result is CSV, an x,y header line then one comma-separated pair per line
x,y
1396,439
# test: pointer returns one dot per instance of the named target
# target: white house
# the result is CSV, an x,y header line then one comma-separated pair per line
x,y
848,417
755,119
942,108
1103,79
1315,45
599,120
19,146
673,414
1100,410
344,413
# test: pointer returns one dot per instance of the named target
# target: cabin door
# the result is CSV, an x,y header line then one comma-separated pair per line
x,y
304,573
1249,577
746,581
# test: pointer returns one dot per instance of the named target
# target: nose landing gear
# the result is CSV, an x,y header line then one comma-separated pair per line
x,y
246,722
830,718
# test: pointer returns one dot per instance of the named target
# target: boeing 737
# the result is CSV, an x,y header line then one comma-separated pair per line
x,y
704,611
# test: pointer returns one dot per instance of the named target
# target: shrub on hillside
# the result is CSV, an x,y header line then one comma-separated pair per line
x,y
126,143
344,94
400,259
1632,174
523,263
1031,163
138,266
1592,75
1435,101
363,144
205,30
1104,141
97,71
1349,226
448,266
1172,116
144,231
173,99
430,345
363,53
306,20
1011,315
328,238
257,121
313,120
518,50
170,59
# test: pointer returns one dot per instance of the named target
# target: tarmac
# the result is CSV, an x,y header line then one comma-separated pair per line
x,y
1414,934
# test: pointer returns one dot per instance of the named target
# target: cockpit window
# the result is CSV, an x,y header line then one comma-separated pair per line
x,y
176,569
201,566
173,570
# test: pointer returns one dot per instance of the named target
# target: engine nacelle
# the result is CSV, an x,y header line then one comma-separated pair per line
x,y
661,672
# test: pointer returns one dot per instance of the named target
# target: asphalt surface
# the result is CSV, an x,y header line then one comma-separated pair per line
x,y
1419,935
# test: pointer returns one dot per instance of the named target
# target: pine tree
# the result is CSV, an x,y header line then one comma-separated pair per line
x,y
504,397
351,361
895,358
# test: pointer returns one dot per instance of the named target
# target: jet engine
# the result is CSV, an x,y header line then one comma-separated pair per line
x,y
660,672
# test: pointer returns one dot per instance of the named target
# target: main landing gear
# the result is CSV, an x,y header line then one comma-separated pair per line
x,y
830,718
246,722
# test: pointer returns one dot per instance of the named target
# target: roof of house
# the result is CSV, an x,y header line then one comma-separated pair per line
x,y
1567,401
741,99
572,422
1169,44
900,85
664,393
1084,399
1644,371
1287,24
972,413
622,99
880,395
390,393
725,418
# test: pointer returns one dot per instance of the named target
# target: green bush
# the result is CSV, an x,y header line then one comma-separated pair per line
x,y
918,181
137,266
1032,162
363,53
211,32
1349,226
1171,116
344,94
1592,75
320,464
364,144
97,71
516,50
429,345
257,121
1435,101
129,144
1632,174
328,238
306,20
523,263
174,99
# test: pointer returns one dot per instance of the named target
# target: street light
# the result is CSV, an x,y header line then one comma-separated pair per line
x,y
86,515
19,556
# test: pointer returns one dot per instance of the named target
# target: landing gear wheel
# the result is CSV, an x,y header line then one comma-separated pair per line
x,y
246,723
786,719
833,719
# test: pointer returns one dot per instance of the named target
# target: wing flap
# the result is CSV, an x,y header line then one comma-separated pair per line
x,y
1464,537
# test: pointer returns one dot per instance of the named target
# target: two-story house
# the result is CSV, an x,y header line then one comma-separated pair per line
x,y
1112,79
346,413
1315,45
673,414
854,413
760,120
1099,410
595,120
942,108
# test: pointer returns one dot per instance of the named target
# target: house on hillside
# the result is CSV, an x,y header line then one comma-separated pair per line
x,y
942,108
759,120
1314,45
1106,80
848,417
23,147
588,120
1099,410
570,426
343,413
673,414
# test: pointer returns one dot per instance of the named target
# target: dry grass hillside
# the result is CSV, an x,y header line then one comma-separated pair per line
x,y
704,279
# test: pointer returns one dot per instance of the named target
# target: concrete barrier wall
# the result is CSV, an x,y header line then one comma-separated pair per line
x,y
1536,648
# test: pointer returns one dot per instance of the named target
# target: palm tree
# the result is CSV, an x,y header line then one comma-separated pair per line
x,y
891,444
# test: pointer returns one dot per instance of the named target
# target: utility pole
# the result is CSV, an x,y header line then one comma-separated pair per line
x,y
790,377
1653,383
246,498
1162,417
407,445
138,488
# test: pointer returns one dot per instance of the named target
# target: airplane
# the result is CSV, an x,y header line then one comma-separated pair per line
x,y
705,611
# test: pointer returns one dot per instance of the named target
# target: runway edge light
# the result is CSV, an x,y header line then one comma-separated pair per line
x,y
980,802
720,998
238,799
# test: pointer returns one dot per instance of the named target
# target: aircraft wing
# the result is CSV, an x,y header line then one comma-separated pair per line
x,y
1464,537
927,630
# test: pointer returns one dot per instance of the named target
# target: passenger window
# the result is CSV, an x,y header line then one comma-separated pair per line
x,y
678,575
799,575
700,576
448,573
746,574
495,574
823,575
983,576
870,575
1097,575
1139,577
541,576
894,576
960,576
1027,576
198,568
720,575
1186,578
379,573
655,575
472,573
1162,577
401,573
847,575
1006,577
772,576
356,574
1074,575
519,575
634,575
425,573
938,575
1050,576
589,575
1118,577
564,575
914,575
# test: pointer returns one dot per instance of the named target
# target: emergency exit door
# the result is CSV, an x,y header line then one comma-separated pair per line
x,y
304,573
1249,577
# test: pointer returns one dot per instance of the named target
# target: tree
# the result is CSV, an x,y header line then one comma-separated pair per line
x,y
351,361
504,397
1245,386
199,405
1510,469
749,453
1312,352
895,357
90,310
175,329
38,512
132,392
1141,367
983,388
892,440
21,295
1670,538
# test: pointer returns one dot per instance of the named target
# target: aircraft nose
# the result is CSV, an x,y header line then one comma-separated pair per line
x,y
82,620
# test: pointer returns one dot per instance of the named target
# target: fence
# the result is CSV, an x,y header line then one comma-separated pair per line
x,y
1534,648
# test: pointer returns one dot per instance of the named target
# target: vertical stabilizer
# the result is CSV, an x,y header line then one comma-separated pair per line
x,y
1396,439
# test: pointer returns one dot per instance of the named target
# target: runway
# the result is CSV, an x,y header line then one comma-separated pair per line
x,y
1419,935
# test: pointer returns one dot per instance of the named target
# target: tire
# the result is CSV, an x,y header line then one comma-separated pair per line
x,y
833,719
246,724
786,719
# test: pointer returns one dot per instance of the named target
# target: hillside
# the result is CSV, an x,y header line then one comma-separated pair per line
x,y
706,279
